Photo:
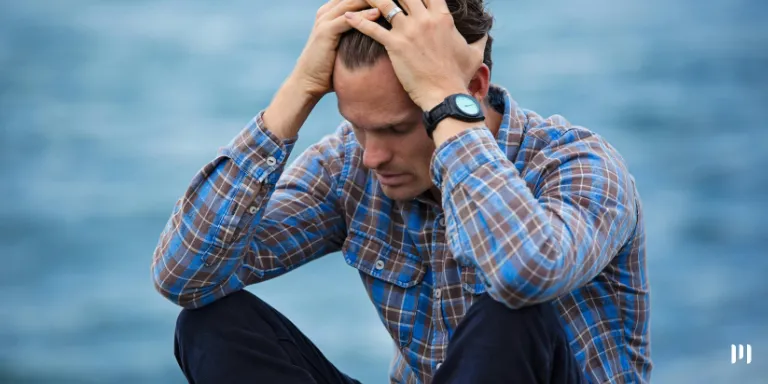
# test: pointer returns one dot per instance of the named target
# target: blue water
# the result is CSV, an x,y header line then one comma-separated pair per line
x,y
108,108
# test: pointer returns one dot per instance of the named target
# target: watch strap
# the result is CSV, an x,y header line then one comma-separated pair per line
x,y
447,108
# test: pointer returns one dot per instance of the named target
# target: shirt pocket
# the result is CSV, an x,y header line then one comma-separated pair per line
x,y
393,281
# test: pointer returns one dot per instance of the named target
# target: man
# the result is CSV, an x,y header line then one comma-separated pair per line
x,y
497,246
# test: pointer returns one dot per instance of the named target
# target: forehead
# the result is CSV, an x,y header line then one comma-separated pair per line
x,y
372,96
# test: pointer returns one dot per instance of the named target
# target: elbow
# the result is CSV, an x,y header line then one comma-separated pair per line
x,y
183,300
518,292
530,278
189,288
169,286
163,283
516,295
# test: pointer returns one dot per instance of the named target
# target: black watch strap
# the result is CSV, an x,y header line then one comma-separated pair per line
x,y
459,106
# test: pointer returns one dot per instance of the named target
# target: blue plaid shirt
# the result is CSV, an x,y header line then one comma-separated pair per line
x,y
543,212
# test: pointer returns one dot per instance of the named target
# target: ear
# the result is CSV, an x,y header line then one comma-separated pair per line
x,y
480,83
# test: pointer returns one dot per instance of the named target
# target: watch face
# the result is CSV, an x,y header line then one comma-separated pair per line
x,y
467,105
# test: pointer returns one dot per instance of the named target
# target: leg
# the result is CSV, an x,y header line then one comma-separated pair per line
x,y
241,339
495,344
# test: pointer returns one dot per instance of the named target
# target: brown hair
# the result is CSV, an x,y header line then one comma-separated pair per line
x,y
473,22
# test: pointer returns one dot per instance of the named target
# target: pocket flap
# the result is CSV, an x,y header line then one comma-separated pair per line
x,y
378,259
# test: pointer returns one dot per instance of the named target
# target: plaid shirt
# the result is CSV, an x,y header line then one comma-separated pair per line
x,y
545,211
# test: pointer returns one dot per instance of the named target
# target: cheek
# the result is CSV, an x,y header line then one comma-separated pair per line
x,y
417,151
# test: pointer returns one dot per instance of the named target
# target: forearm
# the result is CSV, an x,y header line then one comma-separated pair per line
x,y
203,244
289,109
531,247
495,222
449,127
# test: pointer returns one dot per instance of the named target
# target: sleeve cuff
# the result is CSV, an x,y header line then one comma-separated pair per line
x,y
461,155
258,152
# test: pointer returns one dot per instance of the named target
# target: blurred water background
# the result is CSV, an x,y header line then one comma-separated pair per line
x,y
108,108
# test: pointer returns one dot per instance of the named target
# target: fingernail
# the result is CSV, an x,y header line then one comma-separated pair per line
x,y
373,11
349,15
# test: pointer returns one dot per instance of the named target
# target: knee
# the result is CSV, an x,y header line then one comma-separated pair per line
x,y
495,316
495,343
212,317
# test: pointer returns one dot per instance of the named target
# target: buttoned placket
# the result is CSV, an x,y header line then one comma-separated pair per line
x,y
439,255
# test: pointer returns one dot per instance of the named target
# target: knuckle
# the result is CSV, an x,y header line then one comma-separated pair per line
x,y
430,22
350,6
444,19
320,12
411,33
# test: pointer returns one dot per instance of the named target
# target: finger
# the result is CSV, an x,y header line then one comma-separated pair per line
x,y
438,6
404,6
341,24
386,6
343,6
325,7
368,27
414,7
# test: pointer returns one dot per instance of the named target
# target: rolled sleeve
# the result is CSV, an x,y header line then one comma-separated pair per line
x,y
258,152
463,154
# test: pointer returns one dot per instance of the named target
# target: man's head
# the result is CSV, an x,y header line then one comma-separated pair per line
x,y
387,124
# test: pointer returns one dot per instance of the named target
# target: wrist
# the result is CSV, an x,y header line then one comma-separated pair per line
x,y
301,91
431,99
289,109
449,128
458,112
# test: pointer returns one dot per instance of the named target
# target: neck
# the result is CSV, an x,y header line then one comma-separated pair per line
x,y
435,191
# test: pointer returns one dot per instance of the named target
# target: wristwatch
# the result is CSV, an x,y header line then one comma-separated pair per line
x,y
459,106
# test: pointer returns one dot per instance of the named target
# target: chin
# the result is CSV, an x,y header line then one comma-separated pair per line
x,y
402,192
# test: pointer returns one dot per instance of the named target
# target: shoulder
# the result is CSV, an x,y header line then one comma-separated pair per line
x,y
555,136
555,151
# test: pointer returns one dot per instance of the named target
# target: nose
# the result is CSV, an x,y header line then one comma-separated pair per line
x,y
375,153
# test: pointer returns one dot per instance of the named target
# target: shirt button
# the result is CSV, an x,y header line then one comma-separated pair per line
x,y
379,264
252,210
442,222
271,161
438,293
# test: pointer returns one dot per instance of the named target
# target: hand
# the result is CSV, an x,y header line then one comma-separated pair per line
x,y
315,65
430,57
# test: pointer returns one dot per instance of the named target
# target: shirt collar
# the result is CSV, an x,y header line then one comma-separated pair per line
x,y
513,121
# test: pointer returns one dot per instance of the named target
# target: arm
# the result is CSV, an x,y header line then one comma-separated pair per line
x,y
529,246
533,246
237,224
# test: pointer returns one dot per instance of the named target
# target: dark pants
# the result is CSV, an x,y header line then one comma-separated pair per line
x,y
241,339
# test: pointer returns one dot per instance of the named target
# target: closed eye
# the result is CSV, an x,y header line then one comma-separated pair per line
x,y
402,129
